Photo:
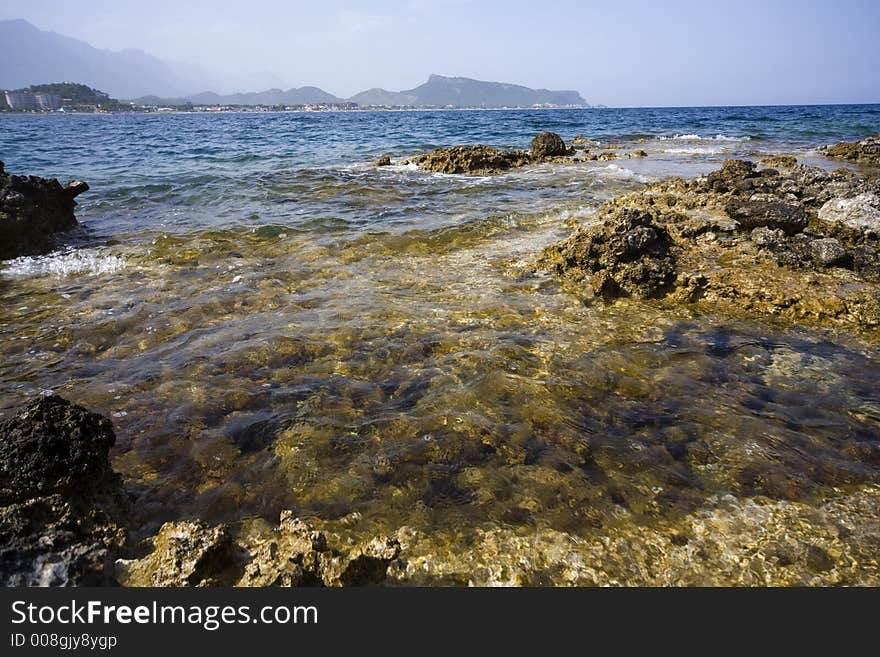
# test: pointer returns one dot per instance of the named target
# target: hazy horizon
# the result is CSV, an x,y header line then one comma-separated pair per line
x,y
628,54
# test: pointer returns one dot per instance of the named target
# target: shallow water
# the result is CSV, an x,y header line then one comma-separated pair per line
x,y
272,323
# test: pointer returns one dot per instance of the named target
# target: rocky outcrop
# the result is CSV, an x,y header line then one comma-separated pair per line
x,y
628,255
474,160
866,151
32,211
60,500
547,144
802,244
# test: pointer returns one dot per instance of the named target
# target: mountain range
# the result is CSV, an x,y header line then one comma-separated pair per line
x,y
33,56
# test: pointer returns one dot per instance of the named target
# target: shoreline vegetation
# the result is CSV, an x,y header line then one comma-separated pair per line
x,y
774,241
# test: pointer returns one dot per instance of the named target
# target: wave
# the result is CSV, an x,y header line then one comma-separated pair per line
x,y
697,150
62,264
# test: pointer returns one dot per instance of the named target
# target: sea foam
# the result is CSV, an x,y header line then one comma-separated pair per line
x,y
62,264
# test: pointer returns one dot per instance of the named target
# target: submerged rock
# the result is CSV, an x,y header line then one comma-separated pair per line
x,y
547,144
476,160
61,500
32,211
866,151
383,161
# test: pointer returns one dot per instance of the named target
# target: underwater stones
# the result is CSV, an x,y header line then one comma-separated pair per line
x,y
59,497
787,217
474,160
861,212
187,553
866,151
547,144
628,255
32,211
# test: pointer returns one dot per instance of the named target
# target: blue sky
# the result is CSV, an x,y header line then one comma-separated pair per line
x,y
620,53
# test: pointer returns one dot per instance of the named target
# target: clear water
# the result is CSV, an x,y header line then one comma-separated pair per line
x,y
273,323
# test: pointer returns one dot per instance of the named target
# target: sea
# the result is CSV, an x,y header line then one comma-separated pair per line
x,y
273,322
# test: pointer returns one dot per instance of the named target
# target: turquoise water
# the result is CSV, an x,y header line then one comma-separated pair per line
x,y
272,322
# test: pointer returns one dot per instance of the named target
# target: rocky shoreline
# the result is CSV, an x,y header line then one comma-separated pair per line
x,y
779,242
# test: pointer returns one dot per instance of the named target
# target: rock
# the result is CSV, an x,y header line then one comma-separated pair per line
x,y
787,217
780,161
186,554
60,500
32,211
474,160
829,252
861,212
866,151
547,144
628,255
384,161
639,153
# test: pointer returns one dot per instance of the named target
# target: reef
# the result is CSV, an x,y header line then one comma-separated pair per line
x,y
473,160
801,244
866,151
60,500
32,211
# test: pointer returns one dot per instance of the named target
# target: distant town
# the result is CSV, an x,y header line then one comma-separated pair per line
x,y
67,97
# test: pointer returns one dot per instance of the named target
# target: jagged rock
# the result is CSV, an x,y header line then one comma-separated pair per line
x,y
790,218
866,151
186,554
474,160
547,144
61,500
292,554
364,565
32,211
383,161
627,255
861,212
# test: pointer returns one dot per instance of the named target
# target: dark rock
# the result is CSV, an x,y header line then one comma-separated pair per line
x,y
60,500
384,161
54,446
547,144
32,211
628,255
787,217
474,160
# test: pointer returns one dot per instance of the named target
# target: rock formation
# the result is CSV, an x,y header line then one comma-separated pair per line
x,y
32,211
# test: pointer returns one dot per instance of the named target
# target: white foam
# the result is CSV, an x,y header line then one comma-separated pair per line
x,y
618,171
696,150
693,137
62,264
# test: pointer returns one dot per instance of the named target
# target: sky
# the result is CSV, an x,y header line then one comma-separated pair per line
x,y
615,52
